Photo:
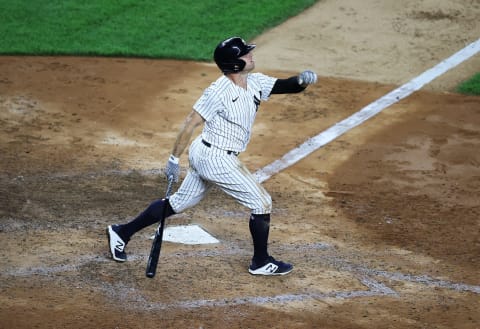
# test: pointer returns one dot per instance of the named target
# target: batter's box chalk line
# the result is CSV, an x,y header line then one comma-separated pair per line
x,y
136,300
326,255
362,273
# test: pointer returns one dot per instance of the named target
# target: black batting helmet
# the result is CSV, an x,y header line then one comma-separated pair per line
x,y
229,51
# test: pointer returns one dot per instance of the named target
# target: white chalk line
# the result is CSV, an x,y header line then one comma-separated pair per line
x,y
365,275
366,113
376,289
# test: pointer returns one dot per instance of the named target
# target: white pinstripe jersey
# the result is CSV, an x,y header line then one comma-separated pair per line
x,y
229,110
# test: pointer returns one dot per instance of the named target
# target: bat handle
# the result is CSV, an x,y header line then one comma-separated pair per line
x,y
169,186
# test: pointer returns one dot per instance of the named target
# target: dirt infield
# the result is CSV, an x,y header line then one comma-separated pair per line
x,y
382,224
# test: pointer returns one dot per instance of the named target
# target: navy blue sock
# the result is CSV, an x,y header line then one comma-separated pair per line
x,y
259,228
153,214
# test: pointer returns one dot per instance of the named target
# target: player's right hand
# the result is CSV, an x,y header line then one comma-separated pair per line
x,y
173,168
307,78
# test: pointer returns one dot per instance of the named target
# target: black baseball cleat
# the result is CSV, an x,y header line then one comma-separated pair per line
x,y
116,244
270,267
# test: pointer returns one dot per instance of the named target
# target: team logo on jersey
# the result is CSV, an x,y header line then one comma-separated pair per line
x,y
257,102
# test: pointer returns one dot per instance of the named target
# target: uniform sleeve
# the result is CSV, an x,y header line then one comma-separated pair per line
x,y
266,84
207,104
287,86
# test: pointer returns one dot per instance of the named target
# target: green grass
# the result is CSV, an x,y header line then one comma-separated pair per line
x,y
470,86
139,28
142,28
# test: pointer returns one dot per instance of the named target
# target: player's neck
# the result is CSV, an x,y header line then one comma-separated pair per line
x,y
240,79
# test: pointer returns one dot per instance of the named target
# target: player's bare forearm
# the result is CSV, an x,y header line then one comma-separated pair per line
x,y
192,121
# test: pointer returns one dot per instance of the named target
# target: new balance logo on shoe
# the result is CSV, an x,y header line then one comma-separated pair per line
x,y
120,245
115,244
270,267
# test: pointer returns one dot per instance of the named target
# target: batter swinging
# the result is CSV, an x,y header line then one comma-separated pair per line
x,y
227,110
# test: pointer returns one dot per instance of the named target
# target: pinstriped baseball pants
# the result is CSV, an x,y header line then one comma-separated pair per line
x,y
212,166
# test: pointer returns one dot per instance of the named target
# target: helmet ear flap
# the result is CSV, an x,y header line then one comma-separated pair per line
x,y
240,65
233,66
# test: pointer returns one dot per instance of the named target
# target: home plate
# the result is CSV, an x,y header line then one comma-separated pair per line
x,y
187,234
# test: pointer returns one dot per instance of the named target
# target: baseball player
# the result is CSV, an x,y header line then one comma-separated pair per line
x,y
227,110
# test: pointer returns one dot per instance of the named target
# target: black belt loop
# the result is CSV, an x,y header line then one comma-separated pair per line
x,y
207,144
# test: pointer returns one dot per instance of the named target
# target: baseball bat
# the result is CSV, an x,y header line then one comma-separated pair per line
x,y
157,240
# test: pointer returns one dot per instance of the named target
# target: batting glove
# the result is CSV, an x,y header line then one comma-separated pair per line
x,y
173,168
307,78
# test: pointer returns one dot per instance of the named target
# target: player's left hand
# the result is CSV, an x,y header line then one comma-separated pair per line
x,y
173,168
307,78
